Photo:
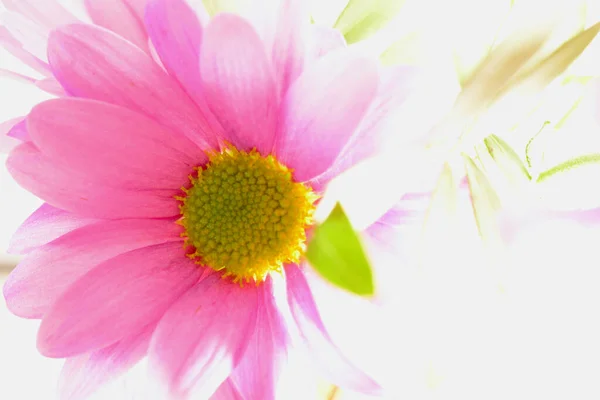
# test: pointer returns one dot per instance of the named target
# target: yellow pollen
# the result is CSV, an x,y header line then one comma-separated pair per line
x,y
245,216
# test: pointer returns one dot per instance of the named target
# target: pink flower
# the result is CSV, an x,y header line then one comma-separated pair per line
x,y
180,167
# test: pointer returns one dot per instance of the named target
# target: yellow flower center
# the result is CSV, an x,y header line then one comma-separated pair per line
x,y
245,216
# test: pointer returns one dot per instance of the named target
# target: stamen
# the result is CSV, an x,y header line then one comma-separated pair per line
x,y
245,216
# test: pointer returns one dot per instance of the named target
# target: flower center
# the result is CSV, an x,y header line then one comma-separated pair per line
x,y
245,216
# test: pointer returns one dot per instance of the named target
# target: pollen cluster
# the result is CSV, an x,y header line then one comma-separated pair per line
x,y
245,216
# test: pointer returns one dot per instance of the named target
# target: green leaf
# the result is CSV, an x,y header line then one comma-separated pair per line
x,y
507,159
336,253
570,185
556,63
492,77
484,200
571,82
528,147
581,80
470,50
569,113
407,50
439,223
570,165
511,67
443,199
361,18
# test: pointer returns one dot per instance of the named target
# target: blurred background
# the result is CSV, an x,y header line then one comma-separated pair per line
x,y
540,341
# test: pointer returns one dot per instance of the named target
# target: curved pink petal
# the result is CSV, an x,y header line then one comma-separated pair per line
x,y
389,232
325,40
94,63
51,86
395,86
293,20
48,14
44,274
44,225
8,142
335,367
8,125
176,32
374,131
19,131
17,76
321,111
15,47
116,299
202,337
227,391
73,191
118,17
512,223
587,217
239,83
32,36
137,7
112,145
257,373
82,375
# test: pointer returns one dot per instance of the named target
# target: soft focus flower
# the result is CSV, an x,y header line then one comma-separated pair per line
x,y
462,299
180,169
505,315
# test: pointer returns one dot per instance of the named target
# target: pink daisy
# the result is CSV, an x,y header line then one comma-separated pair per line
x,y
180,167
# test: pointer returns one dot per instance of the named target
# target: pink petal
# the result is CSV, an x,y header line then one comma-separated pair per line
x,y
97,64
19,132
321,111
7,143
116,16
589,217
176,32
227,391
51,86
72,190
390,231
116,299
137,7
513,223
82,375
48,14
372,134
288,46
15,47
44,225
257,373
31,36
239,82
16,76
331,362
44,274
112,145
202,337
395,86
325,40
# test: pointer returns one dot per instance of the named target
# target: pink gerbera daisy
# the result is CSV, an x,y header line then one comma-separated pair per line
x,y
180,168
